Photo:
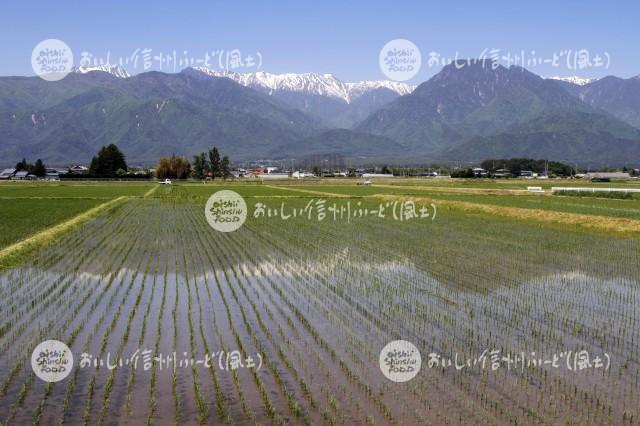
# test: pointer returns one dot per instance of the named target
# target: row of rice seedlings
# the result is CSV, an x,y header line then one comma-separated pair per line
x,y
511,322
319,364
220,397
86,347
292,403
74,333
202,408
304,387
174,312
65,309
69,244
105,308
265,291
45,297
57,255
153,404
351,375
294,406
140,342
125,337
41,261
32,288
66,325
305,321
358,359
241,252
269,408
454,327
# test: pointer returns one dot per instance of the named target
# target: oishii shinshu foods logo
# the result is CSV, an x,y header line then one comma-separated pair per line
x,y
52,361
400,361
226,211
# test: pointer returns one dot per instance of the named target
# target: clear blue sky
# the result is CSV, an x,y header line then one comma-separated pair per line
x,y
339,37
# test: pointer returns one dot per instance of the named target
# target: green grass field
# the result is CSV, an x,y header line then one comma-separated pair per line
x,y
104,190
22,218
26,207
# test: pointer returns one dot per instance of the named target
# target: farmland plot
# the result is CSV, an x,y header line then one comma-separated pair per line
x,y
313,303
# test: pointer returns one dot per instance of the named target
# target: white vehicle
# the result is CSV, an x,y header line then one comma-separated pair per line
x,y
165,182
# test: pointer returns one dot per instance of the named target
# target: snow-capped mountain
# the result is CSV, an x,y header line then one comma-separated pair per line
x,y
359,88
309,83
580,81
114,70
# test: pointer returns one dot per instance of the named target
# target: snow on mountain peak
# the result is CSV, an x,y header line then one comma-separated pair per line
x,y
580,81
313,83
360,87
115,70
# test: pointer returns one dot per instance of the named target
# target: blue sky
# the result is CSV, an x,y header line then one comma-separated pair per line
x,y
343,38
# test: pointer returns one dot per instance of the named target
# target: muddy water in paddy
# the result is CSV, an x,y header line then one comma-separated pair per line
x,y
318,303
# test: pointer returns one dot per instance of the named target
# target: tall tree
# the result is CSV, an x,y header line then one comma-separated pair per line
x,y
214,162
107,162
22,165
225,168
200,165
39,169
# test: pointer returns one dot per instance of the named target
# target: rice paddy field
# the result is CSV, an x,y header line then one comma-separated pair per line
x,y
525,308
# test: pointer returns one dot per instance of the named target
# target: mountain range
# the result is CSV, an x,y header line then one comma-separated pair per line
x,y
474,110
467,112
336,103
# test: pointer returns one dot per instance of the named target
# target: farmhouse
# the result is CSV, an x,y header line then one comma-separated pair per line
x,y
502,173
21,175
268,173
7,173
52,174
479,172
78,169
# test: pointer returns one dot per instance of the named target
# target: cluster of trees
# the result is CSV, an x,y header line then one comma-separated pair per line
x,y
173,168
516,165
462,173
110,162
204,165
37,169
210,164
